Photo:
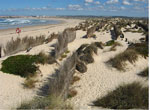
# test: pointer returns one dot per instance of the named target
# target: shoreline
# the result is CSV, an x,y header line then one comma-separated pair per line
x,y
36,27
7,34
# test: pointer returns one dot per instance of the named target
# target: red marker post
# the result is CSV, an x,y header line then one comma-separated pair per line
x,y
18,31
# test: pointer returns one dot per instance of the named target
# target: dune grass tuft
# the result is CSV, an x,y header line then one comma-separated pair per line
x,y
29,83
49,102
23,44
113,47
144,73
119,61
130,54
128,96
75,79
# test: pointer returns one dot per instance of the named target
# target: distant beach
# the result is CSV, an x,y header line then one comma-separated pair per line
x,y
7,23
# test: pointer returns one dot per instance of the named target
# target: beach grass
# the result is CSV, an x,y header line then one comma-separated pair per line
x,y
129,96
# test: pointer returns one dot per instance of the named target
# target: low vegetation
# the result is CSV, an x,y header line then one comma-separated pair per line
x,y
23,44
144,73
113,47
130,96
130,54
49,102
75,79
119,61
22,65
29,83
110,43
25,65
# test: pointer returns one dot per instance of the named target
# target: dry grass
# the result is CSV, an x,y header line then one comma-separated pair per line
x,y
18,44
30,83
51,37
50,102
119,61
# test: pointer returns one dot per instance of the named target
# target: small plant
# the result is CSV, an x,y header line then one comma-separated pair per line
x,y
29,83
113,47
144,73
75,79
128,96
67,52
72,93
63,56
110,43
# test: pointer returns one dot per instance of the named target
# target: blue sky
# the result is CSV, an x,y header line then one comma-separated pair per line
x,y
137,8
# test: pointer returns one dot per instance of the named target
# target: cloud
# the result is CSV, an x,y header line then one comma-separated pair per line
x,y
97,3
112,1
139,0
126,2
74,7
88,1
122,8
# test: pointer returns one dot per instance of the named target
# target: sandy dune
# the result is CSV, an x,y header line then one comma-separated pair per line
x,y
95,83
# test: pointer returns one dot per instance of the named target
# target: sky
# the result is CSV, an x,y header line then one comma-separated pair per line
x,y
133,8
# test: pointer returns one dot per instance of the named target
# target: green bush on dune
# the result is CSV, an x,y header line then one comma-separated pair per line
x,y
128,96
24,65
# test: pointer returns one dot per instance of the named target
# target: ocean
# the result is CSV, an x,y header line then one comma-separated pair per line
x,y
20,22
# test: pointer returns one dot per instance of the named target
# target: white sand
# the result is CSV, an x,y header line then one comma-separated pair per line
x,y
95,83
12,93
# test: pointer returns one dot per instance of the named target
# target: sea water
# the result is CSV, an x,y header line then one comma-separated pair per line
x,y
20,22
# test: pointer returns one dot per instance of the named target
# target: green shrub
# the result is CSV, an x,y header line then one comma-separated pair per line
x,y
128,96
144,73
109,43
22,65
